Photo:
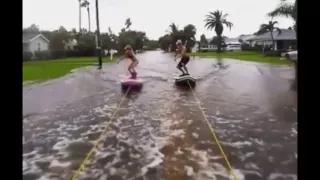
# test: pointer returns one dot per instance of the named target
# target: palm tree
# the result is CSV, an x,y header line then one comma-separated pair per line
x,y
270,27
175,34
173,29
98,34
286,9
86,4
217,20
128,23
79,15
189,31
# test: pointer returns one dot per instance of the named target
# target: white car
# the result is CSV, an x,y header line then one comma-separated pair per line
x,y
233,48
292,55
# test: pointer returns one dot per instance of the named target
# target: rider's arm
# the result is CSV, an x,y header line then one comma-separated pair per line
x,y
120,59
179,53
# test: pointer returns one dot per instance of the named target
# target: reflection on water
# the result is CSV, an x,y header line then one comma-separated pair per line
x,y
159,132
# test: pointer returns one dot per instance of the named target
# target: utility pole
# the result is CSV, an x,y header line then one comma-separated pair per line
x,y
98,44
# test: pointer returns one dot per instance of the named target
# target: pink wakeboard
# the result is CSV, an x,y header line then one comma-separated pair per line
x,y
131,82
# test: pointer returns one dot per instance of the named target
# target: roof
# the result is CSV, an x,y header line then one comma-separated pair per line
x,y
286,34
210,39
231,41
28,37
246,37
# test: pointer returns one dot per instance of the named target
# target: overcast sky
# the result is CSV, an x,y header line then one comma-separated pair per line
x,y
152,16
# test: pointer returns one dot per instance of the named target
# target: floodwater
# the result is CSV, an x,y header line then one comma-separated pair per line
x,y
160,132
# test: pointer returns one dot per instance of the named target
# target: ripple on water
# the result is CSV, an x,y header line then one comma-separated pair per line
x,y
132,146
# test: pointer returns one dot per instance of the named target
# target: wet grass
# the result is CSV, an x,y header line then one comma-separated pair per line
x,y
36,71
245,56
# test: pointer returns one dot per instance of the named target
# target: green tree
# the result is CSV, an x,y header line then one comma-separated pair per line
x,y
86,5
58,38
217,20
126,36
175,35
189,31
203,40
286,9
270,27
173,29
216,40
165,42
186,35
33,28
151,44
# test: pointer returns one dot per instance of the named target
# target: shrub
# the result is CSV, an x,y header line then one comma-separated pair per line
x,y
72,53
246,47
85,51
42,55
27,56
274,53
60,53
57,54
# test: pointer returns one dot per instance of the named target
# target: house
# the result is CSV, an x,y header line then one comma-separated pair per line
x,y
244,38
33,42
232,41
287,39
195,48
69,44
209,47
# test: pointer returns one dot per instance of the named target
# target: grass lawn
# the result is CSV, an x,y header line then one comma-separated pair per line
x,y
245,56
49,69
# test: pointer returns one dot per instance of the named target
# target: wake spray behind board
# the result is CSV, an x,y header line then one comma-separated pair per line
x,y
134,83
185,81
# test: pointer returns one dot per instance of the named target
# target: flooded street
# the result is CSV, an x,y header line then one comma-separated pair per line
x,y
160,132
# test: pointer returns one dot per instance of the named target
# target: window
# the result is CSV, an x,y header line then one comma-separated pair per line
x,y
39,49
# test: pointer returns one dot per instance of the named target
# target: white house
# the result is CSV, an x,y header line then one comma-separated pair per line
x,y
195,48
34,42
285,40
244,38
232,41
69,44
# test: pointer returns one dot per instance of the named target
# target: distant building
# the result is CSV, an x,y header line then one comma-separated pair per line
x,y
33,42
285,40
244,38
232,41
70,44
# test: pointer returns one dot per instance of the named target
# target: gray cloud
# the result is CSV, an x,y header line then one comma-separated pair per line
x,y
152,16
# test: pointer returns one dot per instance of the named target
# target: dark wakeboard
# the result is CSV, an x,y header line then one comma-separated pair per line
x,y
186,80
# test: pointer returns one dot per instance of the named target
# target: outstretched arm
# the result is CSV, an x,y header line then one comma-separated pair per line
x,y
120,59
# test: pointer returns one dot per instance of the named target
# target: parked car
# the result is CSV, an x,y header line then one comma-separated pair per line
x,y
292,55
233,48
210,48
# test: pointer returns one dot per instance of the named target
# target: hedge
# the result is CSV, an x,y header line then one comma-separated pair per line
x,y
59,54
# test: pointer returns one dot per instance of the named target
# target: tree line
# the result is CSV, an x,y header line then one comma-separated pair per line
x,y
86,42
217,21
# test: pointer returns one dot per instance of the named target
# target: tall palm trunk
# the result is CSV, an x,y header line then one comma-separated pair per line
x,y
273,43
98,35
79,16
89,21
219,43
